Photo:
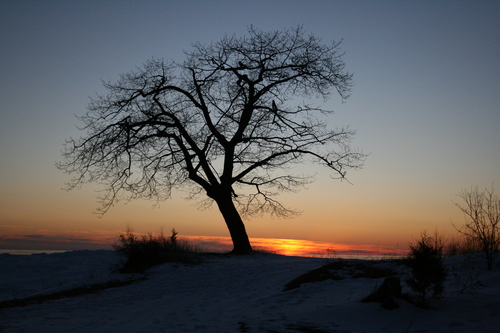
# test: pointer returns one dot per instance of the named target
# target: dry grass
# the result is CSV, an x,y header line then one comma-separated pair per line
x,y
141,253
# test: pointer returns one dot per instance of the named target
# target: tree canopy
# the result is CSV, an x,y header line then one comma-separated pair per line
x,y
226,123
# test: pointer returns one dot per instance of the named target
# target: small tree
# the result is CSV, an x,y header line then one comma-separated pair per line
x,y
425,261
226,123
482,220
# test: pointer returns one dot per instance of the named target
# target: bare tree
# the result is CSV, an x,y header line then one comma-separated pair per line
x,y
224,123
482,220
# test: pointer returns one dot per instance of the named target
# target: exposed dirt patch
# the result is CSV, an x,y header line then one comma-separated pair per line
x,y
342,269
67,293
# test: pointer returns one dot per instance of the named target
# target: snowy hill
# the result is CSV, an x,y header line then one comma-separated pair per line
x,y
231,294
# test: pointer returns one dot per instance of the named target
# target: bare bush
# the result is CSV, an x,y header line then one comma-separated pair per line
x,y
482,220
149,250
461,245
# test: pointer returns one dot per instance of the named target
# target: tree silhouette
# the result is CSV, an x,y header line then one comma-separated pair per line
x,y
482,220
428,271
223,123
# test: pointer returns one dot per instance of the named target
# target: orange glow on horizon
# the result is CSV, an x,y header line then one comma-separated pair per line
x,y
294,247
31,239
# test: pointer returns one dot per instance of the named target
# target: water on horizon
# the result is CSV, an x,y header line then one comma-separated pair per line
x,y
29,252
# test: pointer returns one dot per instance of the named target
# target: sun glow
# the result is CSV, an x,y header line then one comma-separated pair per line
x,y
291,247
295,247
16,238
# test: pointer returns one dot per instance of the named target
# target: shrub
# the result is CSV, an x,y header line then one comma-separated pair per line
x,y
482,220
462,245
149,250
428,271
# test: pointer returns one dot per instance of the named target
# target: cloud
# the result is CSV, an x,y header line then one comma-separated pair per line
x,y
54,242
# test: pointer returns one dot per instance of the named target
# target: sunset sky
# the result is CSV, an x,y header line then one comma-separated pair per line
x,y
425,105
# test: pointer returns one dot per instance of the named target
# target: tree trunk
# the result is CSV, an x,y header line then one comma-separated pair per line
x,y
241,243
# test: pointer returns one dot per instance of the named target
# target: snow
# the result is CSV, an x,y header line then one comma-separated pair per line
x,y
233,294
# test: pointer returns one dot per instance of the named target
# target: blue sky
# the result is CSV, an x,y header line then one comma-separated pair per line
x,y
426,107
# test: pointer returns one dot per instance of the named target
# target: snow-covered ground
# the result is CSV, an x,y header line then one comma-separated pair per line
x,y
232,294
